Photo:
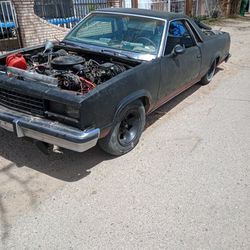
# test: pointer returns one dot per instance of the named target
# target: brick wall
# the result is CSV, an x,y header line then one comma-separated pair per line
x,y
33,29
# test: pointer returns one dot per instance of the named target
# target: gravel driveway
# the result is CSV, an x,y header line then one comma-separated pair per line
x,y
186,185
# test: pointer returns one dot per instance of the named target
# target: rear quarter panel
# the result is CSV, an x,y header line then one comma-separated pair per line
x,y
213,47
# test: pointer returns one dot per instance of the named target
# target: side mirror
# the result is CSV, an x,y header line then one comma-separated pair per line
x,y
178,50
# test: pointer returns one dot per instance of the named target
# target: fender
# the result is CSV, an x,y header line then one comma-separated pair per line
x,y
133,97
126,101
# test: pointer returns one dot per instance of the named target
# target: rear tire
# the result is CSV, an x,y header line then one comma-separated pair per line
x,y
209,76
126,131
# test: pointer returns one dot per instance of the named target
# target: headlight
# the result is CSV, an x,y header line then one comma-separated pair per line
x,y
72,112
64,109
57,107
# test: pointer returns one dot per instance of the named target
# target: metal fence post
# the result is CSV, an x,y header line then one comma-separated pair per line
x,y
169,5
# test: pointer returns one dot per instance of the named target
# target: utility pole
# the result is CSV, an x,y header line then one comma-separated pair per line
x,y
134,3
189,7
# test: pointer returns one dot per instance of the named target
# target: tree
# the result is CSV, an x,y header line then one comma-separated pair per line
x,y
231,7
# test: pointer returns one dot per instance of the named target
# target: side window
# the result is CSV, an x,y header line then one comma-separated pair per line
x,y
197,37
178,34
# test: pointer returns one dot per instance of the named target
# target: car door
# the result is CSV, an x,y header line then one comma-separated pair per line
x,y
178,71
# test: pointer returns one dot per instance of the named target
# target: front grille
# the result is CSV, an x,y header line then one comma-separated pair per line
x,y
22,102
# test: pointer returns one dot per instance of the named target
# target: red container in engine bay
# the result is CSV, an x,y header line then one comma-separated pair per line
x,y
16,61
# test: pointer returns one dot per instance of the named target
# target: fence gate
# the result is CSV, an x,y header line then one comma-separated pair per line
x,y
9,36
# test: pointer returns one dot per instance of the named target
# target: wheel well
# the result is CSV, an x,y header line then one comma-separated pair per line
x,y
217,60
145,102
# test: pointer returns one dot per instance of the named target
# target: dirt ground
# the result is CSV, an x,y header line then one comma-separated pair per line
x,y
186,185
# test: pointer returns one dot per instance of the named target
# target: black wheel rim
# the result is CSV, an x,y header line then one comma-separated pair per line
x,y
129,128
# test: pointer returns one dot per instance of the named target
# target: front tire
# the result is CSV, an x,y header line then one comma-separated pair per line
x,y
126,131
209,76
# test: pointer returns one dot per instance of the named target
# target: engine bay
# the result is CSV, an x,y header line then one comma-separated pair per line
x,y
66,68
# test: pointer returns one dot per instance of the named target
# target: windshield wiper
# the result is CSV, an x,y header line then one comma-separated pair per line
x,y
115,53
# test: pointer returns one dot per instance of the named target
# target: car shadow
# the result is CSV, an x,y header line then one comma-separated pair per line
x,y
69,166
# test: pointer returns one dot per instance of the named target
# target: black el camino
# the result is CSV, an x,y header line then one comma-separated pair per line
x,y
99,83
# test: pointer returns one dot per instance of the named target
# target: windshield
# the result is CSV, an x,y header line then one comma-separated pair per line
x,y
125,33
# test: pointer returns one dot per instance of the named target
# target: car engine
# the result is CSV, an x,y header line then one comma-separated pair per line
x,y
65,69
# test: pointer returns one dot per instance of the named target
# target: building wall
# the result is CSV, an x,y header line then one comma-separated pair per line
x,y
33,29
115,3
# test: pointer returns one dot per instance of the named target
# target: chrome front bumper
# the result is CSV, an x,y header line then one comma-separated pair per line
x,y
48,131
